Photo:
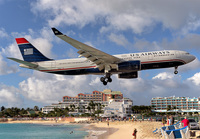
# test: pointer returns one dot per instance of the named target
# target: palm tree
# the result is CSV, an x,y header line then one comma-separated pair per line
x,y
78,108
72,106
92,105
66,111
3,108
169,107
83,107
36,108
89,109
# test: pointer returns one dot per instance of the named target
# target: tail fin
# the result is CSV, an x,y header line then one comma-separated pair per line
x,y
29,52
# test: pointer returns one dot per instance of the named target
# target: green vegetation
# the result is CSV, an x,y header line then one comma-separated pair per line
x,y
93,109
141,109
14,112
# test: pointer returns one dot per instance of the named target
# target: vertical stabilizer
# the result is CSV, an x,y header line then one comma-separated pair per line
x,y
29,52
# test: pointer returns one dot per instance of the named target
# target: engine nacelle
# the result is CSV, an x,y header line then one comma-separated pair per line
x,y
128,75
129,66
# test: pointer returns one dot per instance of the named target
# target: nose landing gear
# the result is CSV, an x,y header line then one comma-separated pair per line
x,y
106,79
176,71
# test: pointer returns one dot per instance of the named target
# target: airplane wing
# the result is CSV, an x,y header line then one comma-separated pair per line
x,y
101,59
28,64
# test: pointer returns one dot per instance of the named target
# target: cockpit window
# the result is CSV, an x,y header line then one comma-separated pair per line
x,y
187,53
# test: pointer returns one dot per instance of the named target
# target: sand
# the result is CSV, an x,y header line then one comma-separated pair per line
x,y
124,130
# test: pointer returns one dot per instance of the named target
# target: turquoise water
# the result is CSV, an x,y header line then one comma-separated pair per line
x,y
38,131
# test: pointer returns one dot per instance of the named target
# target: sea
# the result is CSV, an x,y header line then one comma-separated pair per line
x,y
42,131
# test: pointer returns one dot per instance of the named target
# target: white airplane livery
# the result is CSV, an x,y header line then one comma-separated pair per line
x,y
97,62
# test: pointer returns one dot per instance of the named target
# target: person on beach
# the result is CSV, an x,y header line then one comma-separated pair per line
x,y
163,121
134,133
169,121
107,121
172,120
185,122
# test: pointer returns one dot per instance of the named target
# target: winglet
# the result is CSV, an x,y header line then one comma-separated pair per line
x,y
56,32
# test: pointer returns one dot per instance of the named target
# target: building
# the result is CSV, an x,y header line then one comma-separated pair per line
x,y
181,104
80,103
118,108
75,107
106,95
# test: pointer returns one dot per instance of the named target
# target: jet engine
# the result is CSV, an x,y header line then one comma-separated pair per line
x,y
129,66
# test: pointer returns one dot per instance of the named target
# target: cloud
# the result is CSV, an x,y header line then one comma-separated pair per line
x,y
127,15
5,68
144,45
119,39
187,42
164,76
3,33
9,96
72,54
192,24
195,79
190,66
49,88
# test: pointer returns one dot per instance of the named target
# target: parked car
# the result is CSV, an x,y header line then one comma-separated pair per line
x,y
193,124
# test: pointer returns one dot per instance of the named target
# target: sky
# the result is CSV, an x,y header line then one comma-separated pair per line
x,y
115,27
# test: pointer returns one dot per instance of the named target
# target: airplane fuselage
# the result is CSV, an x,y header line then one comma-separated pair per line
x,y
148,60
98,62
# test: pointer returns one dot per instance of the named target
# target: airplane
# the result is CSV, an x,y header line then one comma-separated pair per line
x,y
97,62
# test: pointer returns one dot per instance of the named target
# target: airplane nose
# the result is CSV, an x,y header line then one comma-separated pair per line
x,y
192,58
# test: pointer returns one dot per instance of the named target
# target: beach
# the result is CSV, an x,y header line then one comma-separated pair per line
x,y
123,130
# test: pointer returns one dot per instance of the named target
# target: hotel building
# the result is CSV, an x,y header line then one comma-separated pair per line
x,y
106,95
182,104
106,99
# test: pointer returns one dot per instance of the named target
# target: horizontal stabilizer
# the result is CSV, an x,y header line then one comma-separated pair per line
x,y
28,64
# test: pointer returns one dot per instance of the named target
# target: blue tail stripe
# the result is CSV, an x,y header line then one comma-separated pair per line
x,y
31,54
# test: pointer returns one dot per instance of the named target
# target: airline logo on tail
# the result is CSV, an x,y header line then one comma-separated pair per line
x,y
28,51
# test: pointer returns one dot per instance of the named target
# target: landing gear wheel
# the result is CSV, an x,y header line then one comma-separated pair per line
x,y
109,79
106,79
102,79
175,72
105,83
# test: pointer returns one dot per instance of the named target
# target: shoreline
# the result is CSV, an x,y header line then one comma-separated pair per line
x,y
124,130
115,130
99,132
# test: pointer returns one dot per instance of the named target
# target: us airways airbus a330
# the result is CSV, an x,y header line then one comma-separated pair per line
x,y
98,62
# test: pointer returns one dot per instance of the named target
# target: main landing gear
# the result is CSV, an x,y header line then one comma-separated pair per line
x,y
106,79
176,71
